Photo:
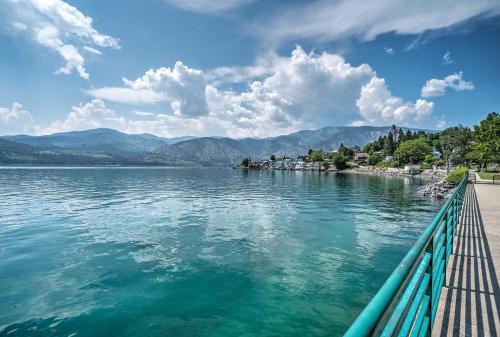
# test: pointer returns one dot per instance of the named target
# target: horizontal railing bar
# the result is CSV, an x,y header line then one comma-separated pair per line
x,y
407,296
425,326
417,301
420,317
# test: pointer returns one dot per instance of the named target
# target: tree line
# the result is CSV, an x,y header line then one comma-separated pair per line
x,y
458,145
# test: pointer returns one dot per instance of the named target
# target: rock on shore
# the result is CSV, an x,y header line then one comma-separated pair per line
x,y
437,187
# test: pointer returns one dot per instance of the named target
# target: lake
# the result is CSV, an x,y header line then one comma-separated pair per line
x,y
197,251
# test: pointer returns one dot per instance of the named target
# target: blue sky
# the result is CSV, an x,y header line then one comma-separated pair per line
x,y
245,67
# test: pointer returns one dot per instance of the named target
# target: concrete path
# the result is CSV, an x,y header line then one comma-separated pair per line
x,y
470,302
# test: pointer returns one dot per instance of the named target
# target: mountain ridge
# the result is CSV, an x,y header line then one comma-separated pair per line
x,y
111,147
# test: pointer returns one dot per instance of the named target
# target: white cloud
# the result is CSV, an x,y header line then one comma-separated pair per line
x,y
446,59
437,87
378,106
127,95
441,123
95,114
283,94
389,51
92,50
331,20
15,120
91,115
143,113
182,87
61,27
208,6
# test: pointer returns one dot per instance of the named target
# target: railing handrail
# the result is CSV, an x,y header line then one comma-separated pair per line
x,y
379,307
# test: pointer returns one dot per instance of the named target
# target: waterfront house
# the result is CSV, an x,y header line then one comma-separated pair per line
x,y
361,156
412,168
300,165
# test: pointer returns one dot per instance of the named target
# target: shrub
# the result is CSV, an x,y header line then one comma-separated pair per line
x,y
340,161
374,159
456,175
387,164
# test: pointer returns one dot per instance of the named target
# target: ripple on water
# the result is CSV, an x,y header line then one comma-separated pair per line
x,y
197,252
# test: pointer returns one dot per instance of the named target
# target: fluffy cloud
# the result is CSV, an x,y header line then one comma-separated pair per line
x,y
127,95
15,120
437,87
376,104
91,115
283,94
181,86
331,20
95,114
208,6
61,27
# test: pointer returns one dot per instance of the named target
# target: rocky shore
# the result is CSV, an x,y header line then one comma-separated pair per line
x,y
436,186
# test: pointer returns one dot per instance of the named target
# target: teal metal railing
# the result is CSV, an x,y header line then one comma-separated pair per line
x,y
406,303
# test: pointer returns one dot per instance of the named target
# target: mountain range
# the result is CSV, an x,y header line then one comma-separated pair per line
x,y
111,147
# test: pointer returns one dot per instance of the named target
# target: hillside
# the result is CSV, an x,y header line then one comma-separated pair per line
x,y
111,147
14,153
227,151
102,140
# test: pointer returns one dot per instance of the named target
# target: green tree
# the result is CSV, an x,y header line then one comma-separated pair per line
x,y
473,156
389,145
487,138
429,159
340,161
374,159
316,156
273,157
369,148
246,162
412,151
345,150
454,144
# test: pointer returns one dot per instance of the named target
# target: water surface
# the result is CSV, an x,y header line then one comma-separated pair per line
x,y
197,252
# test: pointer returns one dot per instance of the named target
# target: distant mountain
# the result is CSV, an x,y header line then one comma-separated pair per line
x,y
201,151
226,151
111,147
104,140
14,153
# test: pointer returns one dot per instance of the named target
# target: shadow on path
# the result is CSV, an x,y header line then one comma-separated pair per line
x,y
469,303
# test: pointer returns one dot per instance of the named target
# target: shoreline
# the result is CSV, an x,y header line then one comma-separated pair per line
x,y
436,188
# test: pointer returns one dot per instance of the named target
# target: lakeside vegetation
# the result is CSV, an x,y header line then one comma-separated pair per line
x,y
458,147
455,146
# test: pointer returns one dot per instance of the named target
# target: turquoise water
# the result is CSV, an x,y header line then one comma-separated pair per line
x,y
197,252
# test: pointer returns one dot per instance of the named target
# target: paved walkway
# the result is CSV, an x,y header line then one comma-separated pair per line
x,y
470,301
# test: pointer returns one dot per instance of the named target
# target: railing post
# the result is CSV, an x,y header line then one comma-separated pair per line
x,y
454,218
428,291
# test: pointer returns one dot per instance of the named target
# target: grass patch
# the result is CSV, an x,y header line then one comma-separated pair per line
x,y
487,175
456,175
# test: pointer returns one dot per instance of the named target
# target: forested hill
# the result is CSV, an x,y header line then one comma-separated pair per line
x,y
111,147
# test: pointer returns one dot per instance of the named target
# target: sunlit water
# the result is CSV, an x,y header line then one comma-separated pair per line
x,y
197,252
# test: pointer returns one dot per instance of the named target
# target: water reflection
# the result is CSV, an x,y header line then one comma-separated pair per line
x,y
197,252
